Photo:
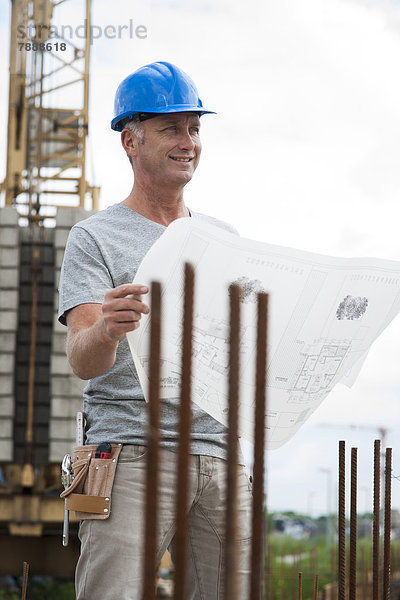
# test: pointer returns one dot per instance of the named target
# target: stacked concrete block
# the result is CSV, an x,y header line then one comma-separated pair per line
x,y
66,388
9,282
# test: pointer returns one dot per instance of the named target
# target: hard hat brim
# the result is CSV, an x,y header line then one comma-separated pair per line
x,y
117,122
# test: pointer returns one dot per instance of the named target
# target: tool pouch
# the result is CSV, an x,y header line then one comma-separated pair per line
x,y
89,494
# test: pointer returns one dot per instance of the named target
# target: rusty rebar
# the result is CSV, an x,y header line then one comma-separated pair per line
x,y
181,536
315,593
300,586
387,526
25,573
342,522
151,494
376,521
230,571
259,443
353,526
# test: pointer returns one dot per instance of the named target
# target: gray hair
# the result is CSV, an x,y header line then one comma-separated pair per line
x,y
136,127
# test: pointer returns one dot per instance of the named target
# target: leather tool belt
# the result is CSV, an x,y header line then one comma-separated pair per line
x,y
89,494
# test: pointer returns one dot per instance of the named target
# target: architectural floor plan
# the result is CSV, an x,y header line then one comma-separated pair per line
x,y
324,315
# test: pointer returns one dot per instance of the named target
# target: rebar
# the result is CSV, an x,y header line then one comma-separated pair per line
x,y
353,526
181,536
315,594
376,521
150,552
342,522
25,580
230,573
259,443
387,526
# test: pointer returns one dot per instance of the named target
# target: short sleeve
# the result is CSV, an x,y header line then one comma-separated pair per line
x,y
84,276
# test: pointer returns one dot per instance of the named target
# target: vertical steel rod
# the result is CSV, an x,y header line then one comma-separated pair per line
x,y
230,571
315,594
150,541
353,526
181,536
25,573
376,521
259,443
342,522
388,523
300,586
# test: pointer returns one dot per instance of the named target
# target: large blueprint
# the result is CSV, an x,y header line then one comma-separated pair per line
x,y
324,315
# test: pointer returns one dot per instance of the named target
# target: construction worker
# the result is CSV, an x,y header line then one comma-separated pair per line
x,y
157,111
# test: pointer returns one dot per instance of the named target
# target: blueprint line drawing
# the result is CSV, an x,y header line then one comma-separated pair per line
x,y
325,313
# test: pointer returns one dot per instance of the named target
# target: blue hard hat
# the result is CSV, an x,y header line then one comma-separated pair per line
x,y
158,88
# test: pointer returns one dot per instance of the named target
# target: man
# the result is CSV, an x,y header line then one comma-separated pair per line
x,y
158,111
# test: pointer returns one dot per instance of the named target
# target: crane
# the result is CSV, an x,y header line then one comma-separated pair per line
x,y
45,178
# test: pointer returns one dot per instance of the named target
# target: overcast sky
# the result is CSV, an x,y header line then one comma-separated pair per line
x,y
304,152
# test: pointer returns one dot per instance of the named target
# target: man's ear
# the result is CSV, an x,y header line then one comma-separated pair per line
x,y
129,142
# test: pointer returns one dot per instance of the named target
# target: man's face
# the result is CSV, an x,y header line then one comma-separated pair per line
x,y
170,151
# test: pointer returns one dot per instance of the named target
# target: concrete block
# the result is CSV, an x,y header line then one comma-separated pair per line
x,y
8,299
59,365
56,301
56,278
60,238
8,216
57,327
6,428
9,278
8,342
62,429
9,236
58,449
9,257
66,407
6,406
67,385
59,257
58,342
7,383
6,363
6,450
44,314
67,217
8,320
37,234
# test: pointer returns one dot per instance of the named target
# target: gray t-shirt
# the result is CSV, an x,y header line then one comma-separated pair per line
x,y
102,252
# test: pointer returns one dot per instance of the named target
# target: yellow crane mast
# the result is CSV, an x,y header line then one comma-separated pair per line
x,y
46,142
45,192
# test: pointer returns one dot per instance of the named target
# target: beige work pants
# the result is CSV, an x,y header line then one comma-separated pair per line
x,y
111,560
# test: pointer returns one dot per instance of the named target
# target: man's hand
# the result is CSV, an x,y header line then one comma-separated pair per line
x,y
122,310
94,330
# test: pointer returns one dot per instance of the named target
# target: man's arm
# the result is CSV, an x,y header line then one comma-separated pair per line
x,y
94,330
